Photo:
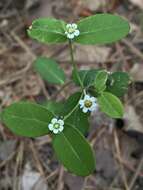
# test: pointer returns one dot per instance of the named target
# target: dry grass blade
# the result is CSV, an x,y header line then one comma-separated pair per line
x,y
133,179
117,146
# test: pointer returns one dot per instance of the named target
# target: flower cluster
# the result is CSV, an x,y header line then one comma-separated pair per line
x,y
72,31
88,103
56,125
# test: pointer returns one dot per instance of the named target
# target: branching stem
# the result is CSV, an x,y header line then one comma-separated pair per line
x,y
74,64
76,106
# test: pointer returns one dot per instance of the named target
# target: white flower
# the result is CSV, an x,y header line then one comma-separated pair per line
x,y
56,125
72,31
88,103
30,27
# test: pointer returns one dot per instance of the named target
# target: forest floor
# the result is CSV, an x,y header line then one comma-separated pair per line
x,y
30,164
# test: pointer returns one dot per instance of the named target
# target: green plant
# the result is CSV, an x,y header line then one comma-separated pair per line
x,y
99,89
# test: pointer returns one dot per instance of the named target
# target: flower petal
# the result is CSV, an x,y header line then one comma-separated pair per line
x,y
81,102
55,131
85,110
61,128
74,25
50,126
54,120
86,97
61,122
30,27
70,36
93,99
81,106
68,26
94,107
76,33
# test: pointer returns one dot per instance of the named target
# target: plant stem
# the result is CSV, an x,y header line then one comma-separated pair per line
x,y
74,64
78,77
76,106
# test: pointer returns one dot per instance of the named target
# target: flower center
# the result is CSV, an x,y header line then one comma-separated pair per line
x,y
56,125
88,103
71,30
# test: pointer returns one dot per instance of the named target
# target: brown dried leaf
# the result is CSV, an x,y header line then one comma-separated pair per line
x,y
94,4
132,120
138,3
137,72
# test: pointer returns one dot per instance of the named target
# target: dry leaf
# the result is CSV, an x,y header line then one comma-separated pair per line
x,y
137,72
7,148
138,3
32,180
94,4
132,120
92,54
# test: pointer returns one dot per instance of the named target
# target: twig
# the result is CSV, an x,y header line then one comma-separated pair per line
x,y
96,135
121,54
19,160
60,185
85,183
128,166
133,49
23,45
116,140
36,158
43,88
3,163
53,97
133,180
55,172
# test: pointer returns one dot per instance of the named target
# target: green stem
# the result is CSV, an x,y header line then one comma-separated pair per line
x,y
74,65
76,106
78,77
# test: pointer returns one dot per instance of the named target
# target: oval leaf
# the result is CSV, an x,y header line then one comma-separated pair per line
x,y
54,107
100,81
111,105
87,77
101,29
49,70
48,30
118,83
27,119
77,119
74,152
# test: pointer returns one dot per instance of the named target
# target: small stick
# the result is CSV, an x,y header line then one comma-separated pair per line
x,y
116,140
36,158
60,185
133,49
133,180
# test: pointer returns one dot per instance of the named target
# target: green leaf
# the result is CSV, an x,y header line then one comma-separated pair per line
x,y
70,103
77,119
54,107
49,70
110,105
74,152
118,83
48,30
0,116
87,77
100,81
102,29
27,119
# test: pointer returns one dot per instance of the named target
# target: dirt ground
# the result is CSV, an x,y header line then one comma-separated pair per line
x,y
30,164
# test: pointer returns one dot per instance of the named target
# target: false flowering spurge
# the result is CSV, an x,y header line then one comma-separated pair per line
x,y
56,125
67,122
88,103
72,31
